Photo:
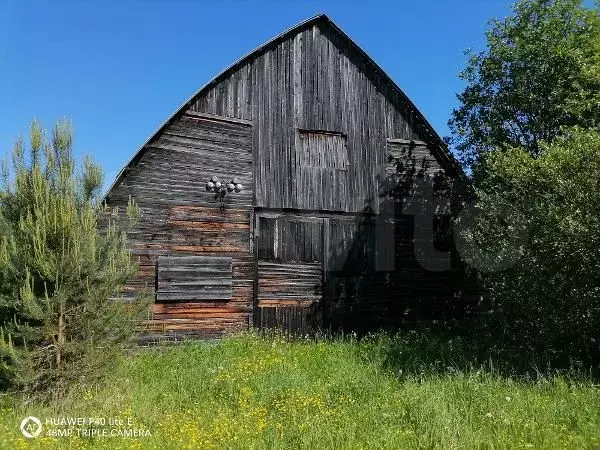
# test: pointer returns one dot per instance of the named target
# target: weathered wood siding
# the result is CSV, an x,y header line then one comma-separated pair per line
x,y
329,151
401,264
193,278
290,272
314,81
332,136
293,320
287,284
179,218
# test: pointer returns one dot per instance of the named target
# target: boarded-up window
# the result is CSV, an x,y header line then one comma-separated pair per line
x,y
193,278
290,239
323,149
299,240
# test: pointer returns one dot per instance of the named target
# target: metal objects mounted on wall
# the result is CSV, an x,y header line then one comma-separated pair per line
x,y
221,189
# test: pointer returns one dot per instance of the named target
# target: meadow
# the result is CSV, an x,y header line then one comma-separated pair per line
x,y
382,391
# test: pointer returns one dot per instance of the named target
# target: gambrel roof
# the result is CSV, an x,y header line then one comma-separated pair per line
x,y
433,140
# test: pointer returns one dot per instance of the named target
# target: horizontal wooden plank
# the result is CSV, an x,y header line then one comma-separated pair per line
x,y
199,260
191,296
284,301
200,115
407,142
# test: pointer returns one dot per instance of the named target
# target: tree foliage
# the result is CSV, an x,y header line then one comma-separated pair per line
x,y
539,72
59,275
550,296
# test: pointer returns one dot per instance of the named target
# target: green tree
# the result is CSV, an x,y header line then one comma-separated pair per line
x,y
540,71
60,316
550,297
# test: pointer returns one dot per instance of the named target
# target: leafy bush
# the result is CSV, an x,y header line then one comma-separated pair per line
x,y
549,295
59,276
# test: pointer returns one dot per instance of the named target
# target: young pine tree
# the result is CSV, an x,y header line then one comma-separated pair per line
x,y
63,260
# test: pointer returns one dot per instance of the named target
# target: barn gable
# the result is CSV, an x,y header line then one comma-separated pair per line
x,y
314,130
233,94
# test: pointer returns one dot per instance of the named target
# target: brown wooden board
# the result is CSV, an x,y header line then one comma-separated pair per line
x,y
193,278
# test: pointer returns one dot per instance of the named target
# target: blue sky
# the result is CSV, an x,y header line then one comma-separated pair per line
x,y
119,69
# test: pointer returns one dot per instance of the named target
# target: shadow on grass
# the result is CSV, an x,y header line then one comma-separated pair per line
x,y
441,348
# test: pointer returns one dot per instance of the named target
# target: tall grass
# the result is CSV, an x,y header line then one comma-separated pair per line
x,y
380,392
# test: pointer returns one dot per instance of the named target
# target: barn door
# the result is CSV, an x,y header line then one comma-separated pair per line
x,y
290,271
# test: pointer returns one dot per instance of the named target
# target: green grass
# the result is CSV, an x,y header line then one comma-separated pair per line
x,y
249,392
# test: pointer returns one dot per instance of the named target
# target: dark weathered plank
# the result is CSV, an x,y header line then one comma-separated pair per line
x,y
193,278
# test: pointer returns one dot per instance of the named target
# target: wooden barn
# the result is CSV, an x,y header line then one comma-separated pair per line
x,y
327,150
